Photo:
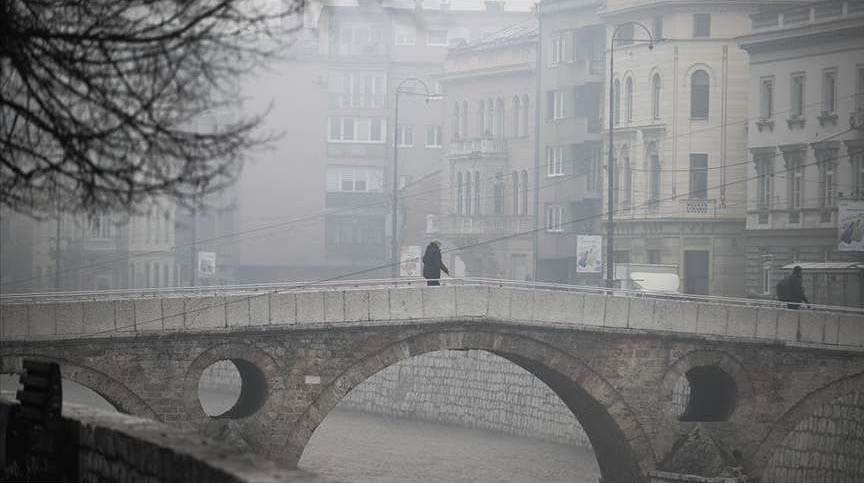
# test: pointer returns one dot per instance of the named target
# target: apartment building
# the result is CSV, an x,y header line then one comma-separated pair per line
x,y
570,148
488,215
324,192
680,138
806,143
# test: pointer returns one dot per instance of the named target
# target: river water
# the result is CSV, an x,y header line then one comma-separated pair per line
x,y
351,446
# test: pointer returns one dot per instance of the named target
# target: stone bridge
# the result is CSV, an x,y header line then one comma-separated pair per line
x,y
755,370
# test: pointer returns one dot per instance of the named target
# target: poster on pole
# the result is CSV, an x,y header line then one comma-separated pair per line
x,y
850,219
589,254
206,263
411,264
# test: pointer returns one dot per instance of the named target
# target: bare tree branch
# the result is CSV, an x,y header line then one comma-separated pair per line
x,y
101,101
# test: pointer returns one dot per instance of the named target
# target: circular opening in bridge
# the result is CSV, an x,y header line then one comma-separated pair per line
x,y
232,388
704,394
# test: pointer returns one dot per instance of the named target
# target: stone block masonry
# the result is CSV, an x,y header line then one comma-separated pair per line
x,y
469,388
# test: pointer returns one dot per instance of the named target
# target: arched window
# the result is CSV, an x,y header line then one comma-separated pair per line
x,y
628,99
481,118
616,99
489,126
653,175
656,86
499,192
460,189
457,130
464,124
515,192
469,196
526,103
476,192
517,117
626,179
524,201
699,84
498,129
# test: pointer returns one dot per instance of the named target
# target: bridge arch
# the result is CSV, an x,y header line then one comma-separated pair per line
x,y
113,391
804,408
621,445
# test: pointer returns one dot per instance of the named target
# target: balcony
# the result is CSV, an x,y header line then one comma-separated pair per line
x,y
480,225
484,146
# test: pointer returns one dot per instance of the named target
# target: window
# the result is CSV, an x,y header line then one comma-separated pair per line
x,y
436,37
765,173
827,178
653,257
595,177
489,118
553,218
699,91
617,102
433,136
656,86
361,40
463,127
469,199
525,114
459,191
358,89
517,118
625,34
499,193
698,176
515,181
355,179
405,136
657,27
654,180
559,45
796,105
456,123
628,99
626,174
858,173
476,192
829,91
766,277
101,226
524,181
498,127
795,177
554,161
766,98
555,101
702,25
406,35
356,129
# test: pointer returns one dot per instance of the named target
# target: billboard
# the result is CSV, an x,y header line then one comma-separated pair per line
x,y
206,263
411,265
589,253
850,221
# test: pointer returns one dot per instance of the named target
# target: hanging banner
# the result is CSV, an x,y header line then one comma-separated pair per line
x,y
411,265
589,254
206,263
850,219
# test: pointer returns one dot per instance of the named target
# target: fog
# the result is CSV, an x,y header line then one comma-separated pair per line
x,y
503,157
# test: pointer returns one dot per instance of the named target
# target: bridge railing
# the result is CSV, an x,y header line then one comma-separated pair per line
x,y
281,287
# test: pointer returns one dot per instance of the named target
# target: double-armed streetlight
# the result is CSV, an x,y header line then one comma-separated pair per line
x,y
610,228
394,235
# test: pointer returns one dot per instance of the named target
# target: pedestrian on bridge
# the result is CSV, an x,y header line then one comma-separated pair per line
x,y
432,264
791,289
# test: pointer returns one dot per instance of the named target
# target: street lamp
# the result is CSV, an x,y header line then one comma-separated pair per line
x,y
610,229
394,237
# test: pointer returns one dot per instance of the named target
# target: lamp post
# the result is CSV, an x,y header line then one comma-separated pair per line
x,y
394,237
610,228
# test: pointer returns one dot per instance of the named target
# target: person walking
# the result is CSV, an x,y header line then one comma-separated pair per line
x,y
791,289
432,264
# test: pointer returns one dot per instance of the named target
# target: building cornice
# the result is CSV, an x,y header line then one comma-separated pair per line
x,y
684,5
838,29
526,67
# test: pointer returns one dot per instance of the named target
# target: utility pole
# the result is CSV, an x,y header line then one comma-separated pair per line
x,y
57,252
194,248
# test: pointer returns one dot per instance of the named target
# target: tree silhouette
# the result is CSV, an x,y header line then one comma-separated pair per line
x,y
102,101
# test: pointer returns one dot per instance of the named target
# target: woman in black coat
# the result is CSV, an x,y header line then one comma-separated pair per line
x,y
432,264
